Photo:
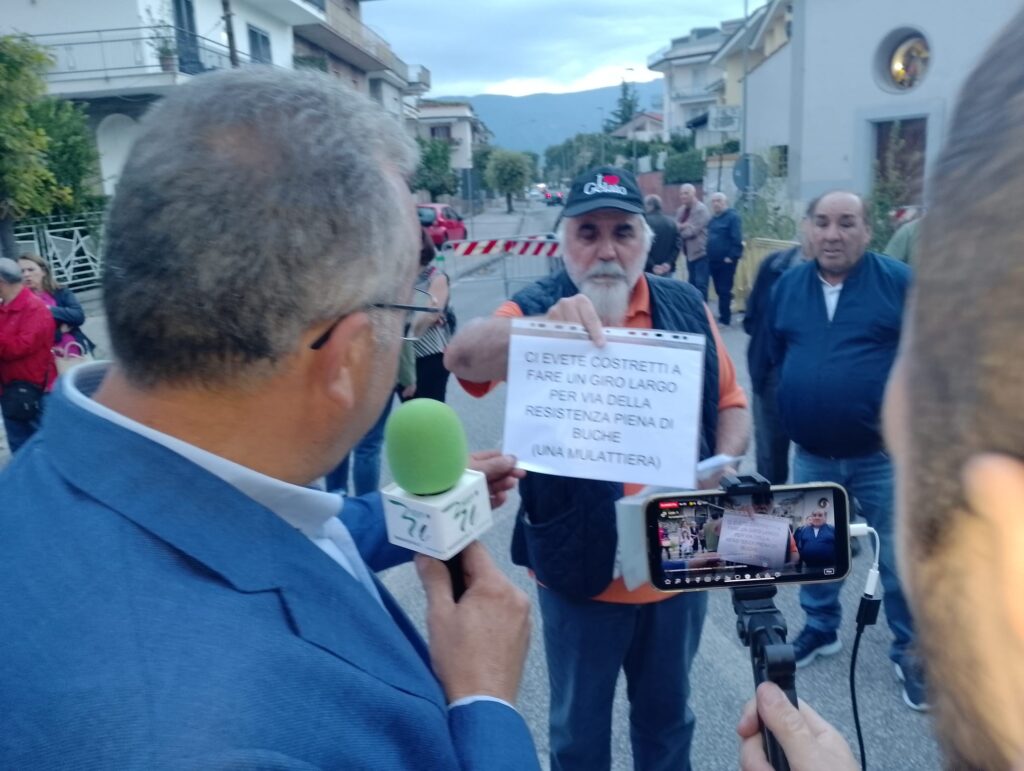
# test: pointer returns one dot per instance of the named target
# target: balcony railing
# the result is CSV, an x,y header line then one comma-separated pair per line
x,y
353,30
128,51
419,75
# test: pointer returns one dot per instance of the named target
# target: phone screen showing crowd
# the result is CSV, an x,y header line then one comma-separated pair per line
x,y
792,534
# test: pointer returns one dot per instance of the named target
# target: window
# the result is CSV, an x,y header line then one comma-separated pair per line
x,y
899,159
376,92
902,59
259,46
440,132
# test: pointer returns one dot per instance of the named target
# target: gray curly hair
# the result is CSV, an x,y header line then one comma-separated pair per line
x,y
255,204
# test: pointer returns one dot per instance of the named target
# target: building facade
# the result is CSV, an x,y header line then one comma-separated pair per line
x,y
118,56
839,93
692,82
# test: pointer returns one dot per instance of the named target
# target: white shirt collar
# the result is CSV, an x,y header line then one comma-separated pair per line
x,y
304,508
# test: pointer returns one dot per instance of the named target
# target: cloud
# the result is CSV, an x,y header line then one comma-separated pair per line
x,y
527,46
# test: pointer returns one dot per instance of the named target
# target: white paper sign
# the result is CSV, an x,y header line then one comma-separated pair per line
x,y
759,540
627,412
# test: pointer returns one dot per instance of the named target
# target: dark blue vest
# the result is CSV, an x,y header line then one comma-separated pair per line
x,y
565,529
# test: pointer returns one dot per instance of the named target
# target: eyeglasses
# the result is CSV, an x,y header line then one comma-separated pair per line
x,y
418,318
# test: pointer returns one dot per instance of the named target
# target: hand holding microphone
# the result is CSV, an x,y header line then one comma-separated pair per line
x,y
477,645
478,622
437,506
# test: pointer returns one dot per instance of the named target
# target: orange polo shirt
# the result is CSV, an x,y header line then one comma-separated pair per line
x,y
638,316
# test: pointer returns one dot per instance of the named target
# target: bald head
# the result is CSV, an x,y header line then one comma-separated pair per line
x,y
719,202
687,194
838,233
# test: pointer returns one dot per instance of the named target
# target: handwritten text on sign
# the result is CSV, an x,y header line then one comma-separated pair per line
x,y
627,412
759,540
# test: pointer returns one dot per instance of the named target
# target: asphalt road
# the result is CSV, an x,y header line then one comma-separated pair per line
x,y
896,738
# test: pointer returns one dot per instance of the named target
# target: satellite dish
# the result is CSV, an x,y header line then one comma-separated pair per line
x,y
750,173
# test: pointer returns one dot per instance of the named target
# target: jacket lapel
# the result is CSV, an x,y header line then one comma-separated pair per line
x,y
247,545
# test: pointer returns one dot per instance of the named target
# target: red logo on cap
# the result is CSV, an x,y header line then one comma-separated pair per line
x,y
611,179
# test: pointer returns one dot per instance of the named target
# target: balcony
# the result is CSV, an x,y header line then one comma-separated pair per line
x,y
419,80
130,60
352,41
293,12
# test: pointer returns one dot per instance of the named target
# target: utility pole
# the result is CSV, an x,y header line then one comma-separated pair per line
x,y
601,129
745,157
230,28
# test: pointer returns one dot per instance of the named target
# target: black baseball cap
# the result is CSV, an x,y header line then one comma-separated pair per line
x,y
605,187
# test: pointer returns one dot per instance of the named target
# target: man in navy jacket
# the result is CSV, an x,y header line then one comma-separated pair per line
x,y
836,323
725,248
177,594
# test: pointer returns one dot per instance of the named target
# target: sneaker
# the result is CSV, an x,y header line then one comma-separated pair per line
x,y
811,643
912,677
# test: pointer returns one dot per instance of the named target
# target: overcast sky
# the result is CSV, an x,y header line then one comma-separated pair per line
x,y
522,47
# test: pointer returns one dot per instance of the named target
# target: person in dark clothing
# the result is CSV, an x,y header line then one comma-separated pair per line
x,y
836,324
816,541
725,248
661,259
770,437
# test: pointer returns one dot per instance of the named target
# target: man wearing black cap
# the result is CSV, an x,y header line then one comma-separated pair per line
x,y
565,530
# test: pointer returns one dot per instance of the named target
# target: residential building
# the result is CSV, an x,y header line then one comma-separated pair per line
x,y
840,91
457,124
692,83
339,43
643,127
119,56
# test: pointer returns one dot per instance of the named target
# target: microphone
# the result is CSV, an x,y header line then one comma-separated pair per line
x,y
436,506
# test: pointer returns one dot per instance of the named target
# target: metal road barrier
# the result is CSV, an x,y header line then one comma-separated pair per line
x,y
513,261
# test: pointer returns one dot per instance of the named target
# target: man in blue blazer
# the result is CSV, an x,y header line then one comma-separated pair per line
x,y
176,593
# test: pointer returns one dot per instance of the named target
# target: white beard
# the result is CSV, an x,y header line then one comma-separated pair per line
x,y
610,299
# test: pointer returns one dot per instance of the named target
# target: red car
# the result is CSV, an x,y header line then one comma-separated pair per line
x,y
442,222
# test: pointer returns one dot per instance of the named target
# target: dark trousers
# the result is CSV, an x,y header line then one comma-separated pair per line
x,y
697,270
723,274
587,643
770,437
365,459
431,377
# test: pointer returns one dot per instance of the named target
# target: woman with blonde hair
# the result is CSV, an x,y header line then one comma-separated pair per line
x,y
69,340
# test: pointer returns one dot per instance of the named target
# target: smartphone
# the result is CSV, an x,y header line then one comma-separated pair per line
x,y
793,534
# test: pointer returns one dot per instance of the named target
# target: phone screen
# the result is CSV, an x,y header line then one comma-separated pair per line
x,y
792,534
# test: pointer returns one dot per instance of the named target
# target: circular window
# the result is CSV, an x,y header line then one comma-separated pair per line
x,y
909,62
903,59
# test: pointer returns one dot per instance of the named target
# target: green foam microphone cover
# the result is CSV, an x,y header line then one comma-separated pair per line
x,y
426,446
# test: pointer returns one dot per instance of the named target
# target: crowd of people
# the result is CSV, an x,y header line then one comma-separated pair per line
x,y
191,599
40,334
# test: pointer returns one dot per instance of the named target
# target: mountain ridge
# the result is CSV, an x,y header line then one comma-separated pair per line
x,y
534,122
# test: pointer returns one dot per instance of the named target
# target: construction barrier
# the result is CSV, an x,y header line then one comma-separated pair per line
x,y
513,261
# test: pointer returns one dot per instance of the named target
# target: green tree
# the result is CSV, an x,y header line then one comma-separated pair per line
x,y
27,185
507,173
626,108
481,157
534,159
71,155
435,173
684,167
891,190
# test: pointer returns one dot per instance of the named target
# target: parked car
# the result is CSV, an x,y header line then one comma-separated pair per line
x,y
554,198
442,222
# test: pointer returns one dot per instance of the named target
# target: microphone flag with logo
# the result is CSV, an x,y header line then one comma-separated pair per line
x,y
436,505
